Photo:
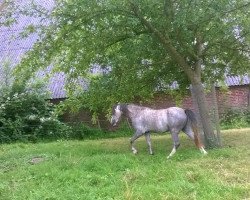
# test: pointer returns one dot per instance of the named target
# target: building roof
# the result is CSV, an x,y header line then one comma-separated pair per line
x,y
237,80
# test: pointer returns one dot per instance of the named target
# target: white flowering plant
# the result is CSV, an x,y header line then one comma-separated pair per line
x,y
25,114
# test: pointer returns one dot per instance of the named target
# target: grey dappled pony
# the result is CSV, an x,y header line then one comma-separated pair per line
x,y
145,120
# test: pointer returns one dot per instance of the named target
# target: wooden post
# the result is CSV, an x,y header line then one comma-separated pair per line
x,y
248,97
216,113
98,123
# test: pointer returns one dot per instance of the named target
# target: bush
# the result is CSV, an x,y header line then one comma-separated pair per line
x,y
82,131
26,115
235,118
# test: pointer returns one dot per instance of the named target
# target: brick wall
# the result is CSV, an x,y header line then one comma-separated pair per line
x,y
236,97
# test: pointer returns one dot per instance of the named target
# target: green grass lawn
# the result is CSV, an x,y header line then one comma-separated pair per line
x,y
106,169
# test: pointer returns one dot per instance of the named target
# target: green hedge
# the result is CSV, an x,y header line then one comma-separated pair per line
x,y
235,118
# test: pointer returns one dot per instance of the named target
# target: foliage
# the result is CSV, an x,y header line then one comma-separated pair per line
x,y
106,169
235,118
6,75
143,45
82,131
26,115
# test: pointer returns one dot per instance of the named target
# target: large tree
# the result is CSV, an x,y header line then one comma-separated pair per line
x,y
145,45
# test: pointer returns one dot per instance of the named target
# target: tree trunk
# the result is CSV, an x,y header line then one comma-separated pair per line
x,y
216,114
199,94
196,110
248,97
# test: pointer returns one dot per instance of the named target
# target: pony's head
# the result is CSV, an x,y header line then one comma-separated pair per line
x,y
116,114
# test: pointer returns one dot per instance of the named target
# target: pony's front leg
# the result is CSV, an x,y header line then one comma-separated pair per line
x,y
132,141
148,140
176,145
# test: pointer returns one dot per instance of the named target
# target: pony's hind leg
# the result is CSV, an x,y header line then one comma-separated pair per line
x,y
190,133
132,141
176,142
148,140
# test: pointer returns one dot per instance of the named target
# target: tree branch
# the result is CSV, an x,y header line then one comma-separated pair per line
x,y
125,37
165,41
225,12
2,6
199,51
169,10
157,63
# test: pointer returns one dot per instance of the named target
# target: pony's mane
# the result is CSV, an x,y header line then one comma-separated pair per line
x,y
134,110
137,107
129,109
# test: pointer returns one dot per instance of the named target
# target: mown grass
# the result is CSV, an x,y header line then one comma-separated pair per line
x,y
106,169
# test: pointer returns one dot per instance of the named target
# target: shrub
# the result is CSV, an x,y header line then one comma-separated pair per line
x,y
82,131
26,115
235,118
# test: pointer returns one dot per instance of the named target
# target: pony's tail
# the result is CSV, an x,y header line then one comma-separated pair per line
x,y
191,117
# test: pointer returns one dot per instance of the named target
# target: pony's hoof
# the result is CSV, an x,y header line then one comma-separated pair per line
x,y
135,152
203,151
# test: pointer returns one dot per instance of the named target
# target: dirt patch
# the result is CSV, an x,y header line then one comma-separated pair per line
x,y
36,160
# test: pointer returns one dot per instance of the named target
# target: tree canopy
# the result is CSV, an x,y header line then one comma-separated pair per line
x,y
144,45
